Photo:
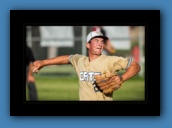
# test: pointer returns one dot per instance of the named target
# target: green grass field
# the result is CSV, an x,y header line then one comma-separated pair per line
x,y
55,83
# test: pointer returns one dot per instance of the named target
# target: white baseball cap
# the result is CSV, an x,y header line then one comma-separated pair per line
x,y
95,34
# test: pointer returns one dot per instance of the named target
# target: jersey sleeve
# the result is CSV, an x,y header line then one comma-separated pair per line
x,y
119,63
73,59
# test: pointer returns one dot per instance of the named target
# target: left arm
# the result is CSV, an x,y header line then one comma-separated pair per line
x,y
133,69
113,82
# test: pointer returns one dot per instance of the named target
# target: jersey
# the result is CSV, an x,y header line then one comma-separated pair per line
x,y
86,71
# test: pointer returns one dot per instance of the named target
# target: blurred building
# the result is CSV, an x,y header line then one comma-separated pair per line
x,y
34,41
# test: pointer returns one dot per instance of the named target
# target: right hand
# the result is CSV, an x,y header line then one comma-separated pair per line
x,y
36,66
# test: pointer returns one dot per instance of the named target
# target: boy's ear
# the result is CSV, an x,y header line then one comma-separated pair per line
x,y
88,45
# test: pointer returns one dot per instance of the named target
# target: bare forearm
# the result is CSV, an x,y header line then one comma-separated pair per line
x,y
131,71
56,61
37,65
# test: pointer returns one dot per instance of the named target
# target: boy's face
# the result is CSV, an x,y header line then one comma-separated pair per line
x,y
96,46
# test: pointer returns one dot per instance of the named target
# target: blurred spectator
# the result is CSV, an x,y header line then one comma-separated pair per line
x,y
30,80
135,53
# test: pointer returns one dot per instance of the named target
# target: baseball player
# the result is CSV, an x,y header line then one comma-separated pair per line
x,y
97,73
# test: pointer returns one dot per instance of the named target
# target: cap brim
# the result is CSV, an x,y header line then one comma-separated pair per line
x,y
104,37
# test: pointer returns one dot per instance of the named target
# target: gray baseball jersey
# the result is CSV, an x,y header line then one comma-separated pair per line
x,y
86,71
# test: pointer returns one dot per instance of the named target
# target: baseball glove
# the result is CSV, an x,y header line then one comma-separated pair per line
x,y
108,82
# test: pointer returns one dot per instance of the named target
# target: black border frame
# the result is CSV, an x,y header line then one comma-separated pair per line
x,y
21,18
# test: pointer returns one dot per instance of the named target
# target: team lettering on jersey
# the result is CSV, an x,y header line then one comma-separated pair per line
x,y
88,76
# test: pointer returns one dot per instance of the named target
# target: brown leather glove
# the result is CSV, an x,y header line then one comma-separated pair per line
x,y
108,82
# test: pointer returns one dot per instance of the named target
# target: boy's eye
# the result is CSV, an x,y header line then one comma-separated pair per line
x,y
95,40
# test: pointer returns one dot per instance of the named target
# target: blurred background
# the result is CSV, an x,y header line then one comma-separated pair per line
x,y
60,82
